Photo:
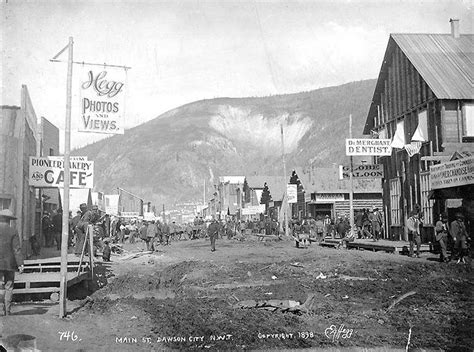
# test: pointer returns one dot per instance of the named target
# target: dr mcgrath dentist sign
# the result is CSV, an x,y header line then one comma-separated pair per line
x,y
46,172
379,147
102,102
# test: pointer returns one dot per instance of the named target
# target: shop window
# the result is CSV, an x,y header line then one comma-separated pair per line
x,y
395,212
5,203
426,203
468,113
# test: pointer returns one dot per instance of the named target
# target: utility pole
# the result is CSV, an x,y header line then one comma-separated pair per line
x,y
164,216
351,193
67,151
285,195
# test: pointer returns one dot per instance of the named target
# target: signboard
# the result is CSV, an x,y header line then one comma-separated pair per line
x,y
47,172
329,197
292,193
102,101
253,209
111,204
361,171
368,146
71,158
452,173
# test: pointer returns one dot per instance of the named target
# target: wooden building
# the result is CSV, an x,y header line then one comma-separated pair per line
x,y
18,141
423,99
325,194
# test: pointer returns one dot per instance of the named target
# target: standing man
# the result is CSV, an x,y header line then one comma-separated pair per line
x,y
458,231
151,233
441,229
413,225
58,227
47,226
11,259
377,223
87,217
213,232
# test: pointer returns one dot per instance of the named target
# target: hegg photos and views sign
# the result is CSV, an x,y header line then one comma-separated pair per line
x,y
102,102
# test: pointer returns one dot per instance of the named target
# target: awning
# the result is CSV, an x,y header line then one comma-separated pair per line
x,y
461,192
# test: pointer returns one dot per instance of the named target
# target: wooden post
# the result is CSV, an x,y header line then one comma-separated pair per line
x,y
90,237
65,226
285,195
351,182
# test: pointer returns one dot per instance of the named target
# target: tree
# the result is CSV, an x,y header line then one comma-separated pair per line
x,y
266,197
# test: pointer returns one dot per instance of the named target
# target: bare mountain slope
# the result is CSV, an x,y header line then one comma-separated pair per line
x,y
168,158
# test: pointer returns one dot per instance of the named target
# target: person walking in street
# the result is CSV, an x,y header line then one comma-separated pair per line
x,y
441,229
213,232
151,233
142,233
11,259
414,237
458,231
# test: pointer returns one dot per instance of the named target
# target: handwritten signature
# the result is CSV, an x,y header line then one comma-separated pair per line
x,y
334,333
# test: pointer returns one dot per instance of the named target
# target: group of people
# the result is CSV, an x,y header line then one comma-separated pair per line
x,y
450,236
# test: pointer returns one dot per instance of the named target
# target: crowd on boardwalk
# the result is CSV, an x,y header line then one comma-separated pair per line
x,y
368,224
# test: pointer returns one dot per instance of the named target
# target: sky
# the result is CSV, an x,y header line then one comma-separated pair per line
x,y
183,51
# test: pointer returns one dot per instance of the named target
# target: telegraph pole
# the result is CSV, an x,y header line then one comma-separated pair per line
x,y
351,193
67,151
285,195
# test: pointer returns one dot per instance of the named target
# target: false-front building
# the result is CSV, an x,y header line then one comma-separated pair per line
x,y
423,101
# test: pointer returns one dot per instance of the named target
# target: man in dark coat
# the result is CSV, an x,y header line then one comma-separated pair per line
x,y
213,231
11,259
57,221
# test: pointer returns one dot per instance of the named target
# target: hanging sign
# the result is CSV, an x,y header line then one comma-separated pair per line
x,y
368,146
292,193
361,171
452,173
46,172
102,101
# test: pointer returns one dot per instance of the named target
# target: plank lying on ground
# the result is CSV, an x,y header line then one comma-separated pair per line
x,y
399,299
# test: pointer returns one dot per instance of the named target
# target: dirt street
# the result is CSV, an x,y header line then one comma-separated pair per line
x,y
249,295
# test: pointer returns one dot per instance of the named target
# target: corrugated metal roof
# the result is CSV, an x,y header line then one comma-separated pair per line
x,y
445,63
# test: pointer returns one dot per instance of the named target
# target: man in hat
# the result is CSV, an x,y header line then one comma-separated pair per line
x,y
458,231
414,237
213,231
441,229
377,223
11,259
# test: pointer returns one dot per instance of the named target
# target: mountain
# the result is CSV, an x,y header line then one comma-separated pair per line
x,y
167,159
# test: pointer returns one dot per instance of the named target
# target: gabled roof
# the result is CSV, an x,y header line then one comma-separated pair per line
x,y
445,63
275,184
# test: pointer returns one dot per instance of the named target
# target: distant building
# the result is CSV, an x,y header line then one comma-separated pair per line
x,y
423,100
326,194
229,194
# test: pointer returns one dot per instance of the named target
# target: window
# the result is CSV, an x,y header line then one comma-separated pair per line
x,y
426,203
51,151
395,201
468,113
5,203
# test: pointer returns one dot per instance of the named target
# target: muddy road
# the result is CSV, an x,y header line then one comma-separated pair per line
x,y
251,295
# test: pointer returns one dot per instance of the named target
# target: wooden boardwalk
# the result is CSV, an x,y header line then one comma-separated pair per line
x,y
43,275
371,245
